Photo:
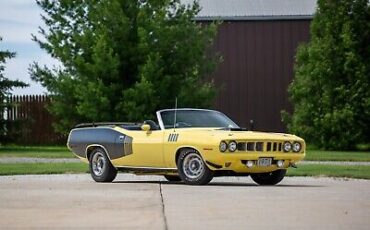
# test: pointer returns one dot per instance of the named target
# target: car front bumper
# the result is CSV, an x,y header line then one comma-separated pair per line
x,y
237,161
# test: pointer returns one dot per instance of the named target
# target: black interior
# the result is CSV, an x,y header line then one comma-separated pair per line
x,y
152,124
131,127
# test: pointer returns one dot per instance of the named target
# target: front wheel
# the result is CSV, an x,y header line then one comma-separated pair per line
x,y
192,169
270,178
101,169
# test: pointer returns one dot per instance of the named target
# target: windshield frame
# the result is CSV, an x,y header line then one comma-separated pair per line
x,y
160,121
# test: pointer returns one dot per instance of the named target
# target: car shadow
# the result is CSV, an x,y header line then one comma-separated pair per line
x,y
221,184
241,184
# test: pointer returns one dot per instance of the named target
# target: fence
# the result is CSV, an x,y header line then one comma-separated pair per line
x,y
31,121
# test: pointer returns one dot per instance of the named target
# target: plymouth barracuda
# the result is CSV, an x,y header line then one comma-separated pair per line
x,y
189,145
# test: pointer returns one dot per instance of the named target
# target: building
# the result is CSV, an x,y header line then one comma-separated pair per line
x,y
258,41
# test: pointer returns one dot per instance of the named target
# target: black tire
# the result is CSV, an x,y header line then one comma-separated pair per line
x,y
270,178
172,178
101,169
189,158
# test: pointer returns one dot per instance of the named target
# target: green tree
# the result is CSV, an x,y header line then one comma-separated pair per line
x,y
331,89
6,85
122,60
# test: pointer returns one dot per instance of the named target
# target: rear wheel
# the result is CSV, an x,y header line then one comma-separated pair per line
x,y
192,169
270,178
172,178
101,169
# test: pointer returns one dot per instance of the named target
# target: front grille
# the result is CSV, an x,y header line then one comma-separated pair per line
x,y
258,146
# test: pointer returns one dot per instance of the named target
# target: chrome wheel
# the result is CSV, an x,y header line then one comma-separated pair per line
x,y
101,169
98,163
193,166
192,169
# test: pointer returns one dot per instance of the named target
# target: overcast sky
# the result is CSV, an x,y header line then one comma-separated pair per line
x,y
18,20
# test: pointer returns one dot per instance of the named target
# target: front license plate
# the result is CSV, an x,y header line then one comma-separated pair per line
x,y
264,161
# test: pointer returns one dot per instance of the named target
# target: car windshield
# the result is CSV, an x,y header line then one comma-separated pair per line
x,y
196,118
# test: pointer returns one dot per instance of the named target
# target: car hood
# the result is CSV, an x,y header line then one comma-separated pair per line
x,y
222,134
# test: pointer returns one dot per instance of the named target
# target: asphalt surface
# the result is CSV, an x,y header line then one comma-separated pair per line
x,y
149,202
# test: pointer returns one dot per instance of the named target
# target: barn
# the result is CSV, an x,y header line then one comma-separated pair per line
x,y
258,41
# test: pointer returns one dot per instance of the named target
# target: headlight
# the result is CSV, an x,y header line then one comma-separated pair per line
x,y
287,146
296,147
232,146
223,146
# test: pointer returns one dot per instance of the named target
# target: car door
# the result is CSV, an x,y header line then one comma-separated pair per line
x,y
172,140
147,149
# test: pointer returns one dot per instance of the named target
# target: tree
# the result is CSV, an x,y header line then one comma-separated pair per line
x,y
330,91
6,85
122,60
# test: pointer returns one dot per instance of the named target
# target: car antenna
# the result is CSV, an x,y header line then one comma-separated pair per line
x,y
174,119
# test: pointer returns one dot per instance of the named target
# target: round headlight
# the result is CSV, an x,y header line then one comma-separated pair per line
x,y
296,147
232,146
287,146
223,146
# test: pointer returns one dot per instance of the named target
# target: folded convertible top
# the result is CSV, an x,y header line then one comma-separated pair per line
x,y
96,124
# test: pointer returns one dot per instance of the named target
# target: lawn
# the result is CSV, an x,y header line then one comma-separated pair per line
x,y
350,171
42,168
36,151
320,155
63,152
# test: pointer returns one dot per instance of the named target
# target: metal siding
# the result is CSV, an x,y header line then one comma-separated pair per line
x,y
257,69
253,9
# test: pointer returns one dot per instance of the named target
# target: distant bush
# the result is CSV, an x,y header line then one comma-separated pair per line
x,y
331,88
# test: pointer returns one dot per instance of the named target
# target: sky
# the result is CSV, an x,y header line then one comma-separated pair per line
x,y
18,20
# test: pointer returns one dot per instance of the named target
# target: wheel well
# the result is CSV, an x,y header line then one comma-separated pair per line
x,y
89,150
182,149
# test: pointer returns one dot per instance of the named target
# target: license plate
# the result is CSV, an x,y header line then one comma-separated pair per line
x,y
264,161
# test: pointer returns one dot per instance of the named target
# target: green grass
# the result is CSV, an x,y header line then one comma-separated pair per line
x,y
63,152
360,172
42,168
320,155
36,151
349,171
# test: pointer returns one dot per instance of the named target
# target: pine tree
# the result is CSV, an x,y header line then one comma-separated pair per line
x,y
6,85
123,60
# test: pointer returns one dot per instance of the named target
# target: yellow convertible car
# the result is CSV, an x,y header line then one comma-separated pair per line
x,y
189,145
